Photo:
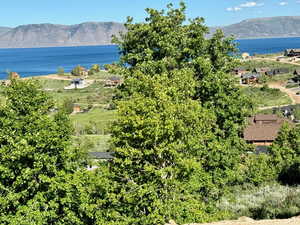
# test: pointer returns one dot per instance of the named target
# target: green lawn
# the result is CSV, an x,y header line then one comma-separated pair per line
x,y
251,64
267,96
92,143
97,121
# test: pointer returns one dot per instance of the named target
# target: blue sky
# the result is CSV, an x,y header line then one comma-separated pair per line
x,y
215,12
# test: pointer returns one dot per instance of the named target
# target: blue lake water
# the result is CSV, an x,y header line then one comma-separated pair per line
x,y
41,61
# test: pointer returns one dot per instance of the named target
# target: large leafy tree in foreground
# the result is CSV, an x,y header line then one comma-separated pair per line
x,y
38,169
167,41
179,117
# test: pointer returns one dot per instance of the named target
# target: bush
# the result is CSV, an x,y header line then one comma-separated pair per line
x,y
267,202
291,174
60,71
256,169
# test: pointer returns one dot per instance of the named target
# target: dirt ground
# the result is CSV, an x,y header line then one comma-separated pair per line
x,y
249,221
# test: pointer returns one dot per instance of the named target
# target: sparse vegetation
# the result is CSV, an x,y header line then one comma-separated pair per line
x,y
264,96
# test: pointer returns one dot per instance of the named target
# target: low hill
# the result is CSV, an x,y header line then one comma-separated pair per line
x,y
283,26
4,30
52,35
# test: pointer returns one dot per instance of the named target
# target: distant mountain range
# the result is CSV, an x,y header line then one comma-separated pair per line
x,y
99,33
270,27
52,35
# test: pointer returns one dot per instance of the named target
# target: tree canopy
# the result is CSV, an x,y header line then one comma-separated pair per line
x,y
176,140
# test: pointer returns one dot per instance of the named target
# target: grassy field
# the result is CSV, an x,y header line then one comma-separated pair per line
x,y
93,143
267,96
251,64
91,129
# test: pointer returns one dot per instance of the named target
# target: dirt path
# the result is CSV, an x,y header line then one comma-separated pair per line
x,y
249,221
281,86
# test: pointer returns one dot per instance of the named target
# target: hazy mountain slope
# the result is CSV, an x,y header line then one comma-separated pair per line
x,y
50,35
285,26
4,29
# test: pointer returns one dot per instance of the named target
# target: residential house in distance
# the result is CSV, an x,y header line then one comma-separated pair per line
x,y
239,71
77,83
80,71
262,70
113,81
292,52
263,129
277,71
250,78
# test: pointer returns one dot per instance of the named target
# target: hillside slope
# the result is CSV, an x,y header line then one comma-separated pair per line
x,y
51,35
4,30
284,26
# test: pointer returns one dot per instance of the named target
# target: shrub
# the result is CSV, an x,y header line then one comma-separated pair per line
x,y
60,71
269,201
256,169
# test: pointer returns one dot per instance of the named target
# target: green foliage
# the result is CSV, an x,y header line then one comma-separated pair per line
x,y
266,96
77,71
94,69
285,153
61,71
68,105
35,155
179,118
265,202
256,169
183,45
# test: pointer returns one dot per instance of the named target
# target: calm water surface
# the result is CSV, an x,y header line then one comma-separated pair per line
x,y
40,61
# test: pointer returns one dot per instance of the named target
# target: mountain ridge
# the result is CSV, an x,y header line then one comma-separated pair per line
x,y
99,33
57,35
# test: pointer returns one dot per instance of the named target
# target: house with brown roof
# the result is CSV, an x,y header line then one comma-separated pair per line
x,y
250,78
263,129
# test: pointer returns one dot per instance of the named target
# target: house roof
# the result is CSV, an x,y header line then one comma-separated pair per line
x,y
262,69
251,75
257,131
115,78
239,69
101,155
262,132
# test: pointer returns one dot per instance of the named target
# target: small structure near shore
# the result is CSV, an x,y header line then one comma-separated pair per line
x,y
262,70
294,52
77,83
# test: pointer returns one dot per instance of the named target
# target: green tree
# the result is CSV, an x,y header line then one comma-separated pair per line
x,y
166,41
285,154
36,157
61,71
160,141
94,69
